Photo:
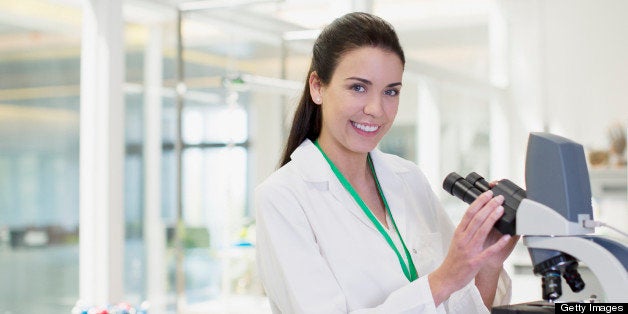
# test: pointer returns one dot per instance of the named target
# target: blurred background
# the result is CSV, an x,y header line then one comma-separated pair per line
x,y
137,130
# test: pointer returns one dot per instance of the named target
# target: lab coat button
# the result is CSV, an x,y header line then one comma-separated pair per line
x,y
414,251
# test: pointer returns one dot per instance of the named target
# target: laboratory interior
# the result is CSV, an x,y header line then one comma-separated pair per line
x,y
133,134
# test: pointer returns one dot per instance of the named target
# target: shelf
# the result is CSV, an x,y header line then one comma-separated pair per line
x,y
609,182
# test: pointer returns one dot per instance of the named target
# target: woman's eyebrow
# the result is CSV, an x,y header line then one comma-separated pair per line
x,y
367,82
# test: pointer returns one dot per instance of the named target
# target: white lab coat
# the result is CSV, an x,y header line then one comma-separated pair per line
x,y
317,252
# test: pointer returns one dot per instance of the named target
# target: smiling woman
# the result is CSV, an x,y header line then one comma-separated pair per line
x,y
463,57
323,215
361,100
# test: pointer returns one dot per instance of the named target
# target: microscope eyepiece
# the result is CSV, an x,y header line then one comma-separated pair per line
x,y
478,181
457,186
470,188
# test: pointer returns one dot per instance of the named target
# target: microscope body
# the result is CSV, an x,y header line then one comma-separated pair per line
x,y
552,215
553,220
607,259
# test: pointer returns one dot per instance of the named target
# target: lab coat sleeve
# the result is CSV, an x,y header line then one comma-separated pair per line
x,y
503,294
297,278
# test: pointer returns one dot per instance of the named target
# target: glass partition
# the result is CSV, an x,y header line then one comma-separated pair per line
x,y
243,68
39,153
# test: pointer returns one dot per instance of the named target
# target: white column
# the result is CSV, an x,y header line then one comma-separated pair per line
x,y
154,229
265,135
527,87
428,148
499,143
101,248
499,117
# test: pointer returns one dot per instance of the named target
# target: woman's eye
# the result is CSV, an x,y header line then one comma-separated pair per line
x,y
392,92
358,88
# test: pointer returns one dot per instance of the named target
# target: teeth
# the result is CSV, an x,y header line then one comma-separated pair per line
x,y
365,128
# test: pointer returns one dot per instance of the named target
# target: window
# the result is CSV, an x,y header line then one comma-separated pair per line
x,y
39,153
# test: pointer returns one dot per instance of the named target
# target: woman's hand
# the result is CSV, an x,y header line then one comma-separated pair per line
x,y
488,276
496,261
471,248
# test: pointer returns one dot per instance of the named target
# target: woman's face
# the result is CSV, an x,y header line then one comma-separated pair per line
x,y
360,102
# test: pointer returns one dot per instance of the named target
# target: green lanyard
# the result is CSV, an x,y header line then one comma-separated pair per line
x,y
408,270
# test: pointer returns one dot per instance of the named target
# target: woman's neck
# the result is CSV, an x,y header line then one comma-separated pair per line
x,y
352,165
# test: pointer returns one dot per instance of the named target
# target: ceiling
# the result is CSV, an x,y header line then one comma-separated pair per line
x,y
448,35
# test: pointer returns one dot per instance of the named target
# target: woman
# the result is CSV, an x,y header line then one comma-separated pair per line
x,y
343,227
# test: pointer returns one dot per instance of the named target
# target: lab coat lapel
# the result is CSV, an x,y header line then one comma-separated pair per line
x,y
393,187
315,169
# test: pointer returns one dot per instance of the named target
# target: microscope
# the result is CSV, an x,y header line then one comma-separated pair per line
x,y
554,216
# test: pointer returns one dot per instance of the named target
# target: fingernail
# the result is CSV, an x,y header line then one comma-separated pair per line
x,y
500,209
499,198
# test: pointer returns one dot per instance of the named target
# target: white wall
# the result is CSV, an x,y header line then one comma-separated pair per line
x,y
586,48
568,64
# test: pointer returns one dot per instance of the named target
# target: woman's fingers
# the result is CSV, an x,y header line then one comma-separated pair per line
x,y
483,215
474,208
496,247
473,232
485,227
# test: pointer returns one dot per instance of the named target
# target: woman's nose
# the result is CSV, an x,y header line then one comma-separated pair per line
x,y
374,107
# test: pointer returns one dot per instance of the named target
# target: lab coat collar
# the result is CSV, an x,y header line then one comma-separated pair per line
x,y
315,169
390,179
311,163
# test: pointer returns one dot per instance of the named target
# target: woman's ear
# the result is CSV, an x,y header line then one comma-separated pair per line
x,y
316,88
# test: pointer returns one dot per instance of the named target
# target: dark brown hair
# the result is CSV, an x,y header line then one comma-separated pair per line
x,y
346,33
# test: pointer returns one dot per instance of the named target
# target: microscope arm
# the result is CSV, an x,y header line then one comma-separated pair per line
x,y
534,218
604,264
544,228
